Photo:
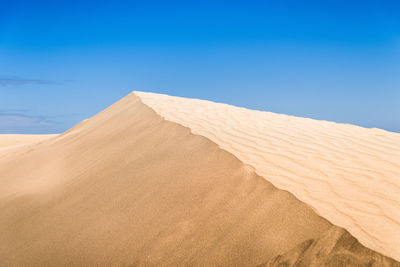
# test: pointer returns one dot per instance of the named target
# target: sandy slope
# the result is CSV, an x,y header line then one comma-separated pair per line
x,y
127,187
7,140
348,174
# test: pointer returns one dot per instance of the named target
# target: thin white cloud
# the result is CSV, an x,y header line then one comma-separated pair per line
x,y
17,121
15,80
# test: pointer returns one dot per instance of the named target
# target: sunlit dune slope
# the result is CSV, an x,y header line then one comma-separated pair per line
x,y
350,175
128,188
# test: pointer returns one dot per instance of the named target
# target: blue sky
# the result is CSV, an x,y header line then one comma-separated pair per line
x,y
64,61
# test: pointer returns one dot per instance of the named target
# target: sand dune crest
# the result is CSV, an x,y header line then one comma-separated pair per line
x,y
348,174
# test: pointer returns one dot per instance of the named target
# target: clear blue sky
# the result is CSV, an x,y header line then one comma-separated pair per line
x,y
64,61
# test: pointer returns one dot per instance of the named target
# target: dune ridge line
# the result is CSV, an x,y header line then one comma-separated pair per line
x,y
348,174
129,188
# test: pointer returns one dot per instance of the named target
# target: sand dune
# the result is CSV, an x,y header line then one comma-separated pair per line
x,y
348,174
128,187
7,140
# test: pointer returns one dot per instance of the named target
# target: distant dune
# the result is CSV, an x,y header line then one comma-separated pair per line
x,y
7,140
164,181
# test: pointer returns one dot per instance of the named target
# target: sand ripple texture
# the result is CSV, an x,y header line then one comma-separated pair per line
x,y
350,175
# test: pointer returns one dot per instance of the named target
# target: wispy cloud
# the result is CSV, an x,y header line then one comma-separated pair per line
x,y
19,121
15,80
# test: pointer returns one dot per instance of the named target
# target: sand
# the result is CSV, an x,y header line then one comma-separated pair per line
x,y
128,187
350,175
7,140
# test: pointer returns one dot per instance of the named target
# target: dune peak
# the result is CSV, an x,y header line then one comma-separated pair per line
x,y
346,173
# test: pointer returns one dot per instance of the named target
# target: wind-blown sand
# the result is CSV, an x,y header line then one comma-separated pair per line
x,y
348,174
128,187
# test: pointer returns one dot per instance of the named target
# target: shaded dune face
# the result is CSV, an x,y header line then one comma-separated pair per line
x,y
127,187
348,174
335,248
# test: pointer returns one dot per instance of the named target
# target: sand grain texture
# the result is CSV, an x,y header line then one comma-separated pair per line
x,y
335,248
